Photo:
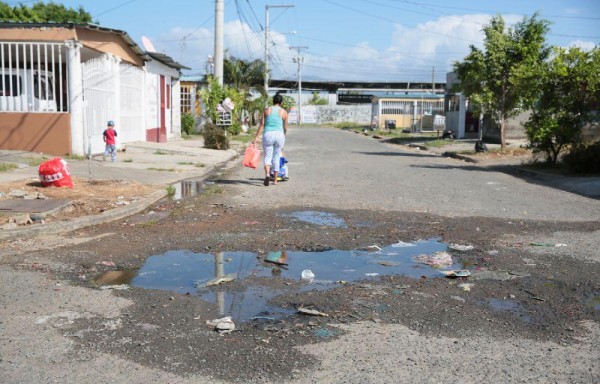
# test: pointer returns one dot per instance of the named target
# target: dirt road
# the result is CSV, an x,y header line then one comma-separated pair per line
x,y
359,214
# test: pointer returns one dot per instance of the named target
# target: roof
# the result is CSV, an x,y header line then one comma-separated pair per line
x,y
92,27
166,60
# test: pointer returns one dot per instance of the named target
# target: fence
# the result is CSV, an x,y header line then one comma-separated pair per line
x,y
33,77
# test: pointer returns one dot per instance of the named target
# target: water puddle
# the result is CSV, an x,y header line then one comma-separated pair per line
x,y
509,306
318,218
187,188
242,283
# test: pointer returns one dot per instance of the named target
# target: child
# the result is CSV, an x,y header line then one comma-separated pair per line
x,y
283,169
109,136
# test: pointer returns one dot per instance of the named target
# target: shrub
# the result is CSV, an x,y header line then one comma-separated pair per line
x,y
187,123
214,137
235,128
584,158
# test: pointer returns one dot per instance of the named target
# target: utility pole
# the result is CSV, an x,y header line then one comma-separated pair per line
x,y
299,59
218,57
267,6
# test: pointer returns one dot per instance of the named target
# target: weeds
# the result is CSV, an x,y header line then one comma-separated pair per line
x,y
5,167
128,160
160,152
170,191
162,169
75,157
213,190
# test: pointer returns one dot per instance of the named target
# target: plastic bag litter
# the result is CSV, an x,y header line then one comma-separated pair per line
x,y
307,274
223,325
456,273
462,248
466,286
438,259
402,244
55,172
312,312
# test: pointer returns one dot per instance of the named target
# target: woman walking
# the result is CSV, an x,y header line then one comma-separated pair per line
x,y
274,124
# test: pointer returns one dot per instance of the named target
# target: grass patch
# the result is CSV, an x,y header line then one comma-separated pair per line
x,y
199,165
160,152
128,160
148,224
5,167
243,138
162,169
437,143
170,191
75,157
185,163
35,161
350,125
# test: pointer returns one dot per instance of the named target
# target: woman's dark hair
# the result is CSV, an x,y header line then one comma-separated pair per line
x,y
277,99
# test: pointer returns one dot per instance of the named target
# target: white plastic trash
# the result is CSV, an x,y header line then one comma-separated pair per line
x,y
307,274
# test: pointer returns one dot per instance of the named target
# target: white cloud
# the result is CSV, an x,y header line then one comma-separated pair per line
x,y
584,45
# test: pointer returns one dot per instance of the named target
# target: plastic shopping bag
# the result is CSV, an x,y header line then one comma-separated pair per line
x,y
251,156
55,172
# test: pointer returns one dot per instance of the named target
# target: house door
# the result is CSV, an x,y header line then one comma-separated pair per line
x,y
162,132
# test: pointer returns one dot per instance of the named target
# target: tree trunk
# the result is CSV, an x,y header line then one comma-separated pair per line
x,y
502,134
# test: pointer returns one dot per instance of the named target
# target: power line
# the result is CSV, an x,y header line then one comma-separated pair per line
x,y
114,8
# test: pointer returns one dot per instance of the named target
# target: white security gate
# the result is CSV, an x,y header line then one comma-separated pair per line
x,y
132,127
100,91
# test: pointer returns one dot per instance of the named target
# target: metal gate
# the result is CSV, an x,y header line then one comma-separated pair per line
x,y
131,104
100,95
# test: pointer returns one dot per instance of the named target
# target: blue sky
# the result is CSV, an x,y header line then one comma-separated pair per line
x,y
352,40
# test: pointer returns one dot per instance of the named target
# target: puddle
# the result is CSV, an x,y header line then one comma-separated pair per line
x,y
185,271
116,277
187,188
510,306
318,218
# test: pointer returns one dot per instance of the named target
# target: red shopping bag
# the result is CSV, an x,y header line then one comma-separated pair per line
x,y
55,172
251,156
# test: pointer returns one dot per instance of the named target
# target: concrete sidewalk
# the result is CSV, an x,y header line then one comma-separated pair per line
x,y
154,164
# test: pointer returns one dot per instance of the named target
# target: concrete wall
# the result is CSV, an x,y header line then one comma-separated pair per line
x,y
36,132
358,113
514,128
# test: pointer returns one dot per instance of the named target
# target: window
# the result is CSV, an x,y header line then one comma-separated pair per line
x,y
42,87
11,86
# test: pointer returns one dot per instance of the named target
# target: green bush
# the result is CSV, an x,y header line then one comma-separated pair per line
x,y
583,158
235,128
187,123
214,137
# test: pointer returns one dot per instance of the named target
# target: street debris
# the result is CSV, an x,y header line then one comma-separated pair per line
x,y
107,263
276,258
437,260
386,263
462,248
323,333
308,275
402,244
457,273
371,248
223,326
220,280
547,245
20,194
466,286
311,312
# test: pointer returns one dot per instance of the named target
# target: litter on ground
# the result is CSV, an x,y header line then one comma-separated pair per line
x,y
457,273
223,325
402,244
438,259
462,248
311,312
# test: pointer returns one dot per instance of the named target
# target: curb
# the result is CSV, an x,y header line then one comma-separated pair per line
x,y
455,155
82,222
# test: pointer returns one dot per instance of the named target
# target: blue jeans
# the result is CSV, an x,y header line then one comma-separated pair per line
x,y
112,150
273,142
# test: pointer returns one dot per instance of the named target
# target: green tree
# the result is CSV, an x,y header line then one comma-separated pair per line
x,y
316,100
41,12
570,94
502,78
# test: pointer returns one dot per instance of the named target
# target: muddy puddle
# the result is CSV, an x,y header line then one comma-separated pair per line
x,y
242,283
187,188
318,218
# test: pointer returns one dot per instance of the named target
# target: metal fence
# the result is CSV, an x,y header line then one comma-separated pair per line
x,y
33,77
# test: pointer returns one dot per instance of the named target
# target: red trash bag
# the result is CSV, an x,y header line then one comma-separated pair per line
x,y
55,172
251,156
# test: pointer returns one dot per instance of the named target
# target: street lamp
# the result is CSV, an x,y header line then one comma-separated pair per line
x,y
267,6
